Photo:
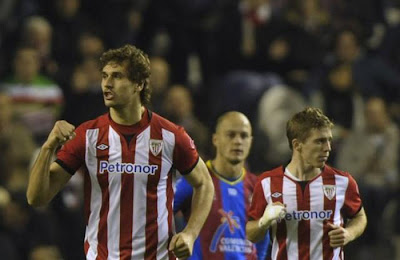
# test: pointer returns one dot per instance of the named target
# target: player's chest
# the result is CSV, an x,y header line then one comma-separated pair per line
x,y
313,195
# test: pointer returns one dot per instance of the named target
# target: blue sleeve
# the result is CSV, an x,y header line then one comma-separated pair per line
x,y
183,193
263,247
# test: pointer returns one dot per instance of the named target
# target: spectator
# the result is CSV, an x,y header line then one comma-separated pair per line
x,y
178,107
37,33
159,80
85,100
372,155
14,161
37,99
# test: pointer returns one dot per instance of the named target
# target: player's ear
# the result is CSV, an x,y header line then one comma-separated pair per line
x,y
214,139
140,86
296,144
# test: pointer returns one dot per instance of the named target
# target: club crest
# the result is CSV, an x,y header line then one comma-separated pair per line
x,y
329,191
156,146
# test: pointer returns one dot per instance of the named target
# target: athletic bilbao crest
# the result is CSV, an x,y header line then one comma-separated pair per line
x,y
156,146
329,191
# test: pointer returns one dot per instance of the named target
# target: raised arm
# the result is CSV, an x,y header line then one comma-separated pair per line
x,y
203,194
46,177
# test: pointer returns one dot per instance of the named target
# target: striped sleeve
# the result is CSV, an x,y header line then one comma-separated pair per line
x,y
352,203
258,202
185,153
71,156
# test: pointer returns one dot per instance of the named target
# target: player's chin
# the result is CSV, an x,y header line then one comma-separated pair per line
x,y
109,103
319,164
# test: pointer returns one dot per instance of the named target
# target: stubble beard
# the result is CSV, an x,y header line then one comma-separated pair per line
x,y
235,161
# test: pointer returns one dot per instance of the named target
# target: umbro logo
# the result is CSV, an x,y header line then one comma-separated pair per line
x,y
276,194
102,147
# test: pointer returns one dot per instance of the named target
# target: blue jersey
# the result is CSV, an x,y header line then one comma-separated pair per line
x,y
224,233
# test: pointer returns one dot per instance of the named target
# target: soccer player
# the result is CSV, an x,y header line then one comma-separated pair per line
x,y
224,235
313,209
129,157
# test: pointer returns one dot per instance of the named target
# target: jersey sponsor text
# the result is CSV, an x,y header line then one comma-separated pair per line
x,y
127,168
307,215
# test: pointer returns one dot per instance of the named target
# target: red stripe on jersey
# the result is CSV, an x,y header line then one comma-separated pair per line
x,y
277,186
170,198
303,204
102,178
249,182
151,199
212,224
328,205
86,247
126,205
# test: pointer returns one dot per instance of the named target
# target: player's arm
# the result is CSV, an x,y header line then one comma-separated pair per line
x,y
340,236
257,229
47,177
203,193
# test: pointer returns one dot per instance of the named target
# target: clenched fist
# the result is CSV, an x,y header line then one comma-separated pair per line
x,y
60,134
273,212
182,245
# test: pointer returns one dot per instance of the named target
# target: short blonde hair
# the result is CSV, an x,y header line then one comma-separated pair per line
x,y
300,125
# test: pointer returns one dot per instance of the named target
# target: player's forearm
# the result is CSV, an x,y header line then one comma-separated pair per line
x,y
254,232
356,226
38,192
201,204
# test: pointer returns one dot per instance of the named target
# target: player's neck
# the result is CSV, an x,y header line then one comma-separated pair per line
x,y
127,115
302,170
227,170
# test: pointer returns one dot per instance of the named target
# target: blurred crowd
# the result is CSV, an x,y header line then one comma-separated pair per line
x,y
265,58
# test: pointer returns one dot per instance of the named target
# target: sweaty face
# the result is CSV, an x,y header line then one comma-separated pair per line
x,y
118,90
316,148
232,139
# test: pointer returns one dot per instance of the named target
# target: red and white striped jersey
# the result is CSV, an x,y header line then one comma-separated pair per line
x,y
332,196
129,186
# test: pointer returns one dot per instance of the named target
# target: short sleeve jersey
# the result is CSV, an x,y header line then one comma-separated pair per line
x,y
128,184
330,197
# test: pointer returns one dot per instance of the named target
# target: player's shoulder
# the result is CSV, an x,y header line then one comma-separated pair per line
x,y
250,176
97,122
164,123
276,172
334,171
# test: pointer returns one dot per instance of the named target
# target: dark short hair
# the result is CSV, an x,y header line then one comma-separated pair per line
x,y
138,66
300,125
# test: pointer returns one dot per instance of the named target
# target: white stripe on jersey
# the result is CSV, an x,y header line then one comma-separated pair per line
x,y
289,195
139,196
95,197
317,230
162,218
341,188
114,188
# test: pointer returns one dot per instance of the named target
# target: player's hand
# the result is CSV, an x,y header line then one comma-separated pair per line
x,y
61,133
338,236
182,245
273,212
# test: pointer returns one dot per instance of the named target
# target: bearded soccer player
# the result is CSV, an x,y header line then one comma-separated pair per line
x,y
224,233
129,157
313,210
